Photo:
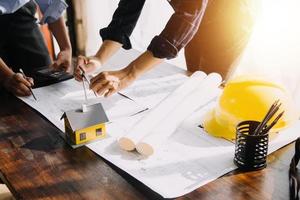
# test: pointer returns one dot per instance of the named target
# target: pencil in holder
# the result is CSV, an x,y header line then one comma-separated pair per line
x,y
251,149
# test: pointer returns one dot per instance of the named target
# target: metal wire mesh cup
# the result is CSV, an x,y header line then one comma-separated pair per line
x,y
250,150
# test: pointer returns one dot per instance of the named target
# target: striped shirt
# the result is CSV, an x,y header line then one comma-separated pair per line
x,y
51,9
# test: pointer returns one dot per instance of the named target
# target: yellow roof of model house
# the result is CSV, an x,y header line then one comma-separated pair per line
x,y
80,120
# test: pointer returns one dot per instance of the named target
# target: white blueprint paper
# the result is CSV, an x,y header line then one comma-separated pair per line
x,y
189,159
54,100
149,92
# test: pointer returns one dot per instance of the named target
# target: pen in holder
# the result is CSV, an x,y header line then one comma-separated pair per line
x,y
251,150
252,139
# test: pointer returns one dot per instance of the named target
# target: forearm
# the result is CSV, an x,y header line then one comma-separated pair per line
x,y
107,50
110,82
142,64
59,30
5,71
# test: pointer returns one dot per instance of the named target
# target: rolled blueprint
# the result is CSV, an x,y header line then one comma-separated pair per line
x,y
159,112
206,92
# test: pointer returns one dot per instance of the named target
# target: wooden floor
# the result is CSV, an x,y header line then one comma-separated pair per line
x,y
4,193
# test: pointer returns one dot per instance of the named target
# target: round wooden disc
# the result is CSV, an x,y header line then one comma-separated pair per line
x,y
126,144
144,149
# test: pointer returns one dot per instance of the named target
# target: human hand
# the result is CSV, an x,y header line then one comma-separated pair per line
x,y
63,61
18,84
110,82
88,64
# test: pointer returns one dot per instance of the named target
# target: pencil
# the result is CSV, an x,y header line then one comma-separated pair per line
x,y
22,72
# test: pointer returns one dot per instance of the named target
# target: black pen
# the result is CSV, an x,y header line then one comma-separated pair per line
x,y
22,72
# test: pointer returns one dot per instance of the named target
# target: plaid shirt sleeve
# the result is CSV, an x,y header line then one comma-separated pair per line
x,y
180,29
123,22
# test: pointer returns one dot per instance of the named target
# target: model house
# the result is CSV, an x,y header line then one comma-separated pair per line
x,y
82,127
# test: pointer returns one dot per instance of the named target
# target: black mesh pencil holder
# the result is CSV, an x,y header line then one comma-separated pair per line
x,y
250,150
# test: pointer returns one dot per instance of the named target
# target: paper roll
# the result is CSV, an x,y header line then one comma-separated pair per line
x,y
206,92
159,112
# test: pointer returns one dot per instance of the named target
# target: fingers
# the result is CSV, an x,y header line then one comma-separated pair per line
x,y
98,79
67,65
100,86
21,93
67,68
104,84
63,61
81,61
21,79
88,64
104,89
103,77
55,66
20,85
30,80
59,62
63,65
58,66
112,90
23,89
19,89
77,75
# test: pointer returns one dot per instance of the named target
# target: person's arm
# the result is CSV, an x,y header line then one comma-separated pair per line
x,y
52,14
14,82
59,30
90,64
179,30
5,71
108,82
114,36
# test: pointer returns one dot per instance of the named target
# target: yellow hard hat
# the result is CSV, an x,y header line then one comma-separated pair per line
x,y
247,98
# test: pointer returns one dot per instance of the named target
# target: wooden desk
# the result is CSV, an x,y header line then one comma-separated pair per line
x,y
36,163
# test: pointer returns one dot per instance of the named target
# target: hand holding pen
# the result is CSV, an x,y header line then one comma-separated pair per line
x,y
28,83
18,85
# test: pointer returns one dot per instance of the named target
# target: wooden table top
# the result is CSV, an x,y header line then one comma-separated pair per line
x,y
36,163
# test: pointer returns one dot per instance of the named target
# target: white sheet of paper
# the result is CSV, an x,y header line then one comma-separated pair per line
x,y
149,92
189,159
54,100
